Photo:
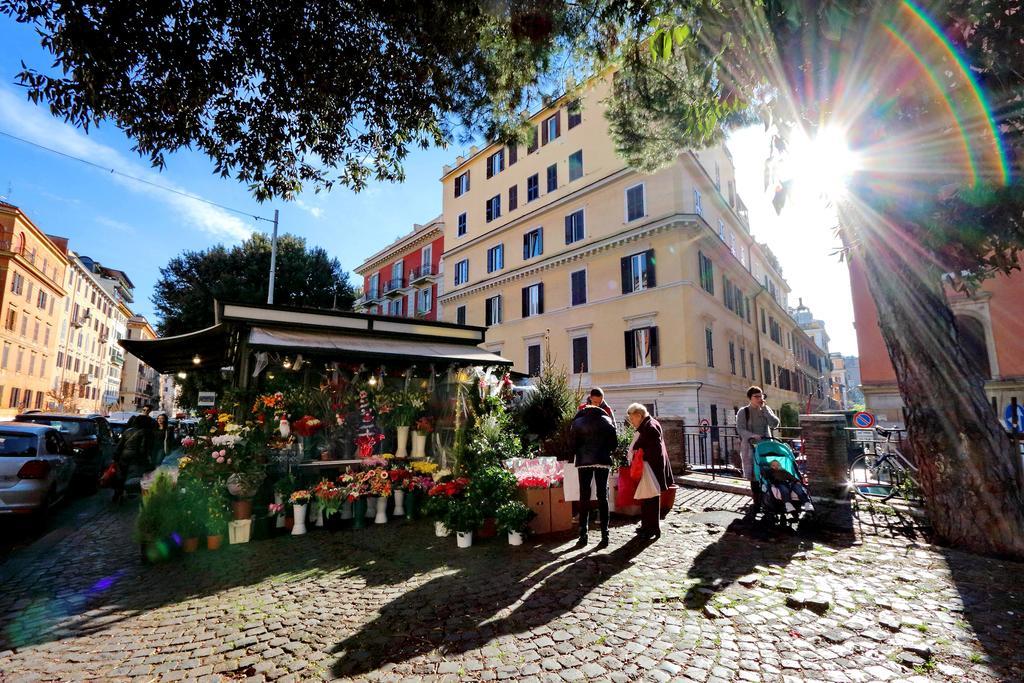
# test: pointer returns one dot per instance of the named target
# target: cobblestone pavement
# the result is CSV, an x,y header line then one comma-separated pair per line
x,y
395,603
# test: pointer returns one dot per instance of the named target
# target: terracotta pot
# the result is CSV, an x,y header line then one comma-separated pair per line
x,y
190,544
213,542
241,509
489,528
326,455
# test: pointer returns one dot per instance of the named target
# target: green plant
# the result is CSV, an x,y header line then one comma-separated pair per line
x,y
514,516
463,516
436,507
285,485
976,658
623,438
192,496
160,515
553,403
491,487
216,511
789,416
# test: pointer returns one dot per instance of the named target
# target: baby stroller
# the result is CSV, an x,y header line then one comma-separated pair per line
x,y
783,493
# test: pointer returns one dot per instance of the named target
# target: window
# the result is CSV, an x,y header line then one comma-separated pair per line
x,y
732,357
395,307
766,377
575,114
6,356
552,177
550,129
462,224
533,300
753,367
513,197
574,230
513,153
743,361
707,273
28,294
397,271
41,299
24,325
15,398
578,285
635,203
637,272
732,242
495,258
533,243
642,347
462,184
721,229
580,354
12,319
532,187
764,326
425,301
460,315
718,176
35,332
17,363
32,364
532,145
697,209
374,286
533,360
462,272
732,195
17,282
576,165
709,346
427,256
496,163
493,208
492,311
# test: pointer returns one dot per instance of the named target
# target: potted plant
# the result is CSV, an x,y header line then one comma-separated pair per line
x,y
405,406
283,488
299,501
356,491
193,512
463,518
329,500
400,477
158,519
439,499
380,489
216,516
513,518
424,426
492,486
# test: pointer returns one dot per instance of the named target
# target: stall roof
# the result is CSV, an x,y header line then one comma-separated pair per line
x,y
170,354
372,347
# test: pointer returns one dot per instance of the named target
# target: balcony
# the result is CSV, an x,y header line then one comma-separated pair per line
x,y
422,274
393,287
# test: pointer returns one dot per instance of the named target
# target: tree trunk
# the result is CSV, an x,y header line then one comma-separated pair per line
x,y
970,473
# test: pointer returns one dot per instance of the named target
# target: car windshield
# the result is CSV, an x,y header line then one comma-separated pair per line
x,y
13,444
72,428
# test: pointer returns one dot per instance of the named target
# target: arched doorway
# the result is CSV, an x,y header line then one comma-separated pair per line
x,y
972,339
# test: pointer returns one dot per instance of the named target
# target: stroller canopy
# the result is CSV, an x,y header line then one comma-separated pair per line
x,y
768,450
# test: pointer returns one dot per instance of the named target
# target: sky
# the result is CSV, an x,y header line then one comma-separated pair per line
x,y
137,228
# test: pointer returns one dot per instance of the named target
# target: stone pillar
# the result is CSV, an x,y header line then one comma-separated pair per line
x,y
825,443
672,427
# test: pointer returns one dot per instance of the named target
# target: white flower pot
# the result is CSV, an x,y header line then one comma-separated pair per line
x,y
403,442
371,507
515,538
382,511
279,517
239,531
299,512
346,510
440,530
464,538
399,510
419,446
317,513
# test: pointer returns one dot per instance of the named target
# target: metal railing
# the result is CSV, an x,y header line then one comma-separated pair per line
x,y
422,272
715,449
393,285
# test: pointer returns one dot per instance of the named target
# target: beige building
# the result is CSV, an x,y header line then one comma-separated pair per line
x,y
140,384
648,285
32,266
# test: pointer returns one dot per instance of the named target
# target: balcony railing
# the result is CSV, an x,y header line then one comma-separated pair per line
x,y
393,287
422,273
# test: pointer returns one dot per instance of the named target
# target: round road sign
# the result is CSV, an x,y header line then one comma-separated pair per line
x,y
705,426
863,420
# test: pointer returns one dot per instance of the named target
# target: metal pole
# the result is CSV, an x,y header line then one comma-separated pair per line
x,y
273,261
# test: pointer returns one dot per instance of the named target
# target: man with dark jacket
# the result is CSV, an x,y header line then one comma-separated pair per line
x,y
593,440
132,455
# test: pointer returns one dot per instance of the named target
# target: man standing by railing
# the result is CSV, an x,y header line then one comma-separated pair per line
x,y
754,422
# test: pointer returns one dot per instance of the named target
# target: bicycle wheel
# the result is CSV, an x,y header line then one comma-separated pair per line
x,y
874,482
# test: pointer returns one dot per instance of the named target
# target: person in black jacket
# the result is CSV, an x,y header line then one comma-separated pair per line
x,y
593,440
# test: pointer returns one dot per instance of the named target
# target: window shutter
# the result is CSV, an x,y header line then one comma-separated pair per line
x,y
540,298
490,163
655,357
532,146
488,321
513,197
568,229
526,246
651,279
630,352
458,187
513,153
558,123
526,302
488,210
627,275
544,132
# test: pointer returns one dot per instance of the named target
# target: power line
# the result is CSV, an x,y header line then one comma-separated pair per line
x,y
137,179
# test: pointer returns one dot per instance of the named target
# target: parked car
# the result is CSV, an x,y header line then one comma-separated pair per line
x,y
36,468
90,437
117,428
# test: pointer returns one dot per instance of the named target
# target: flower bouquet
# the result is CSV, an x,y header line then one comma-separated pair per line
x,y
300,497
425,425
299,500
365,443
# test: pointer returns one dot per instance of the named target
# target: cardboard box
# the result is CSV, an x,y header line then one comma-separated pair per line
x,y
538,500
561,510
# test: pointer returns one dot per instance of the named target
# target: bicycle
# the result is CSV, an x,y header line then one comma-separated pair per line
x,y
883,472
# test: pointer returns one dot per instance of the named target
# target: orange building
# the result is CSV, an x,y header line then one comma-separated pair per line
x,y
991,325
32,272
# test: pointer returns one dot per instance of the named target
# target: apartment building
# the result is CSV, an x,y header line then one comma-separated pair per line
x,y
89,361
648,285
32,266
402,279
140,384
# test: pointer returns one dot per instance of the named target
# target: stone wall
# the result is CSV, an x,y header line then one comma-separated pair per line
x,y
672,427
825,444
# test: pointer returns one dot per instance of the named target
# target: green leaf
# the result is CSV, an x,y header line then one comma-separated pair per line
x,y
680,34
666,45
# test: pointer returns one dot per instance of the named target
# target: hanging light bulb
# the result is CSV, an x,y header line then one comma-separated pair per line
x,y
373,381
287,364
182,375
196,360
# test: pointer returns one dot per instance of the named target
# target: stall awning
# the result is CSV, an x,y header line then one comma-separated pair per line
x,y
171,354
373,347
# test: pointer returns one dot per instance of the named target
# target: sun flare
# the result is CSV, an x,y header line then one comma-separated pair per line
x,y
822,165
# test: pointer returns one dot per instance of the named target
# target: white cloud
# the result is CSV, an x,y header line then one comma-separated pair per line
x,y
314,211
33,123
120,226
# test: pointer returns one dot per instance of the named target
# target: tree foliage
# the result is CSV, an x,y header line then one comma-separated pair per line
x,y
188,285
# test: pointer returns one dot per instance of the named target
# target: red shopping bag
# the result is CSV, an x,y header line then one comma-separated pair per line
x,y
625,490
636,468
109,476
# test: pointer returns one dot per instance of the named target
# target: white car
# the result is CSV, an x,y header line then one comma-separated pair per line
x,y
36,467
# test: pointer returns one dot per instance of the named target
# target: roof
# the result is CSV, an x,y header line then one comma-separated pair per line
x,y
24,426
170,354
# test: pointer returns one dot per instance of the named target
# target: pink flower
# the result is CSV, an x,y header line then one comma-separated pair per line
x,y
188,442
229,461
220,460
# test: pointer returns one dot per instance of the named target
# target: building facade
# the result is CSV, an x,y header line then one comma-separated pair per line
x,y
140,384
991,327
403,278
32,275
648,285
